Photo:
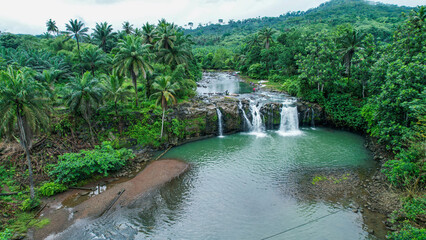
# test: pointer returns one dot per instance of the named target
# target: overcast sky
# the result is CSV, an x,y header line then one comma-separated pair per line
x,y
30,16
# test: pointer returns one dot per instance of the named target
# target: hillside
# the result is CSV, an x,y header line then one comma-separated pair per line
x,y
376,18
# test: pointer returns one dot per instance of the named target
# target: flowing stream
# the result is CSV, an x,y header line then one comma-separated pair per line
x,y
245,187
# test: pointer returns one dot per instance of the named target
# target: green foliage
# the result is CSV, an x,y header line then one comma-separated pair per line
x,y
104,159
30,204
344,111
6,234
408,232
51,188
257,71
177,128
147,131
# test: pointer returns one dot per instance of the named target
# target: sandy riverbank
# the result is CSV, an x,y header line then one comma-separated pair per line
x,y
154,175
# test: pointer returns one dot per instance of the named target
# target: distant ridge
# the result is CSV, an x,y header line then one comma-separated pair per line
x,y
333,12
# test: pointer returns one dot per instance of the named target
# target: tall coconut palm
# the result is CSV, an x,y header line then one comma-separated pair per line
x,y
165,36
265,35
349,42
103,35
76,30
92,58
164,94
22,102
132,59
83,96
128,28
148,33
51,26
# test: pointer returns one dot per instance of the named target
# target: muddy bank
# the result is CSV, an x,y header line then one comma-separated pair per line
x,y
155,174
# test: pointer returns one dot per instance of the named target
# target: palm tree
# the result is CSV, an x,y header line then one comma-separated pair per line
x,y
114,89
349,43
165,92
265,34
51,26
165,36
103,35
127,28
92,58
148,33
22,102
83,97
175,56
132,59
76,30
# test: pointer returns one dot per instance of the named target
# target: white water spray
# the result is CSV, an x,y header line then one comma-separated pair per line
x,y
240,106
219,119
289,125
257,127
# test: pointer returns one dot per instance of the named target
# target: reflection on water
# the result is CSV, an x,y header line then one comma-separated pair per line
x,y
234,191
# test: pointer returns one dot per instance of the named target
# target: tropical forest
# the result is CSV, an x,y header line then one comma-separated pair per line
x,y
309,125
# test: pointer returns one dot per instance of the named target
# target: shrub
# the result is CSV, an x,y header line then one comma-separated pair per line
x,y
29,204
6,234
73,167
51,188
344,111
408,232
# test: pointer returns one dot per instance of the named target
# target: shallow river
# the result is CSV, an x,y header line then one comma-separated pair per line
x,y
239,187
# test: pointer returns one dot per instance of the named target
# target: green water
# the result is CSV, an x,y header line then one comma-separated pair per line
x,y
239,187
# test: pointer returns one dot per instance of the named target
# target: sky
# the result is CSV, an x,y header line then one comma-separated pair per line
x,y
30,16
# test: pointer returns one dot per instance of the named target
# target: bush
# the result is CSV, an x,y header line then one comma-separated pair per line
x,y
257,71
30,204
408,232
344,111
6,234
73,167
51,188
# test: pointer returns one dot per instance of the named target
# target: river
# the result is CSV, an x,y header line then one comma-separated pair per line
x,y
244,186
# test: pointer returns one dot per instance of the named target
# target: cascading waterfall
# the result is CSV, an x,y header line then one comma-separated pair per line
x,y
219,120
257,127
246,120
289,125
313,118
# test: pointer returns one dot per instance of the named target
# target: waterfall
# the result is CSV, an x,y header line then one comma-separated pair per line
x,y
246,120
289,125
257,127
219,120
313,118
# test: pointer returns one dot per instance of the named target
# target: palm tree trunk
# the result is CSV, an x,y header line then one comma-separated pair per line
x,y
148,88
91,132
25,145
162,122
135,84
78,48
30,173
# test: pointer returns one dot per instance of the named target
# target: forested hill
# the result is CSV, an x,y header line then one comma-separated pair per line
x,y
376,18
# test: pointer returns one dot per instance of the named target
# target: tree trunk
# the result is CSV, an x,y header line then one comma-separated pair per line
x,y
148,88
162,122
30,173
91,132
25,145
135,84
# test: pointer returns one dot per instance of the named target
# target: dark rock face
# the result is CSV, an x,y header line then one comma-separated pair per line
x,y
200,116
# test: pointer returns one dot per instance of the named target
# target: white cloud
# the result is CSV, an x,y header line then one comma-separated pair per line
x,y
29,16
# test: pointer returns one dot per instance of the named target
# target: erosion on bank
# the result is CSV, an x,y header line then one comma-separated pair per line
x,y
154,175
